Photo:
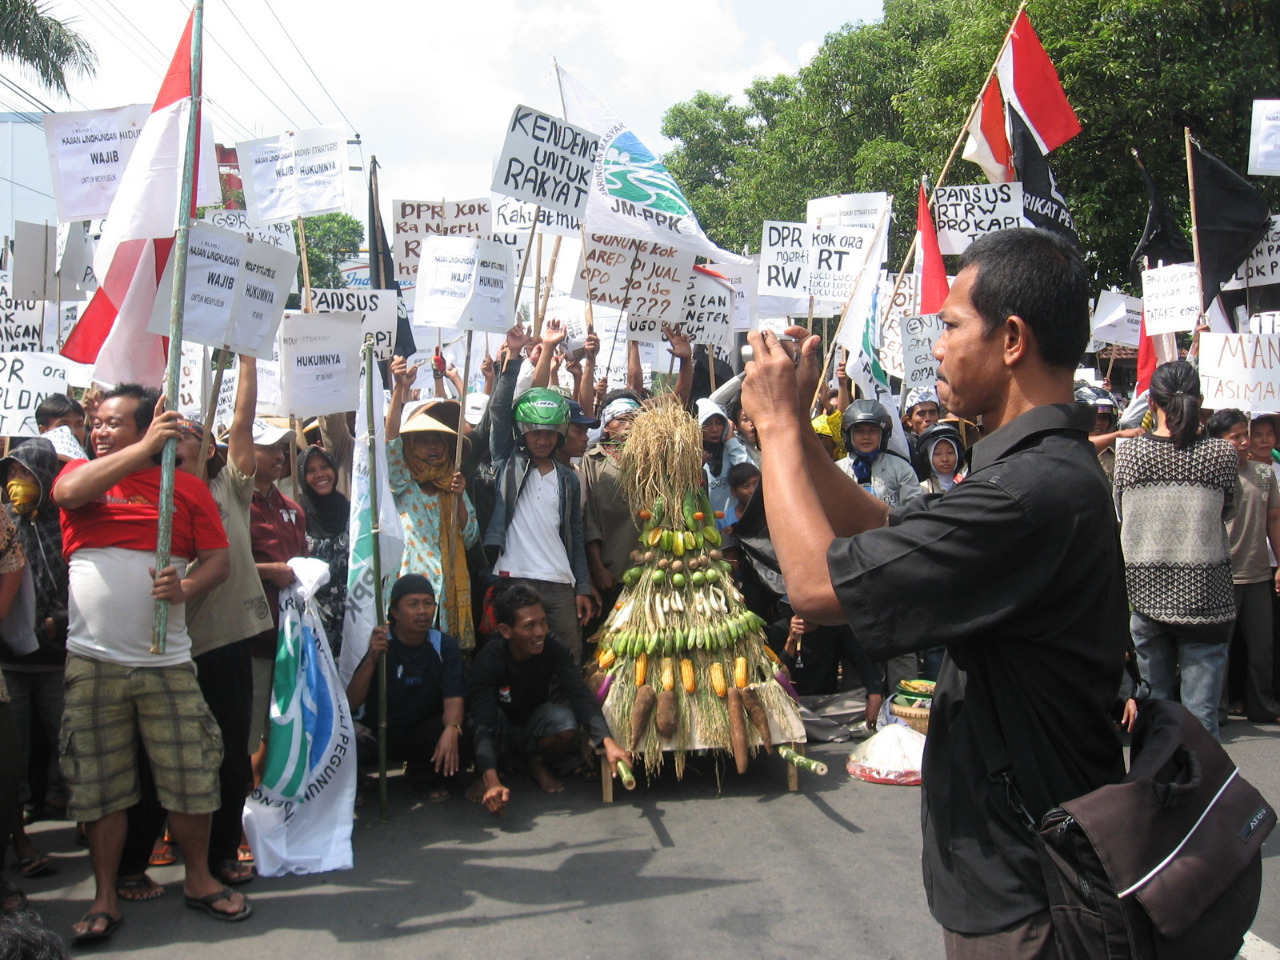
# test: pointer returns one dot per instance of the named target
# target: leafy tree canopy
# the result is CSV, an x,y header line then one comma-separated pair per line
x,y
881,104
45,44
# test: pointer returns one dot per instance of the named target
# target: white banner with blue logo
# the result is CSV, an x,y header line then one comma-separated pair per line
x,y
299,820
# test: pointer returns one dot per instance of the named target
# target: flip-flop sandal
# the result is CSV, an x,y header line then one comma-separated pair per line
x,y
162,855
113,924
234,873
206,904
138,889
36,866
245,853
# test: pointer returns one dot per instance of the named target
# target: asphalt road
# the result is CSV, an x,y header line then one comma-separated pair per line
x,y
736,868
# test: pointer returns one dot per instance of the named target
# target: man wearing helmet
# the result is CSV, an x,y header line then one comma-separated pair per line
x,y
867,427
536,525
1026,580
1104,432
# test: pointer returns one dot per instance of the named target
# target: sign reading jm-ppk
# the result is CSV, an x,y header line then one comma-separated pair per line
x,y
546,161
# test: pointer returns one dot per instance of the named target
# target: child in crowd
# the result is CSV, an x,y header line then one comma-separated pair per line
x,y
719,453
867,427
938,460
743,480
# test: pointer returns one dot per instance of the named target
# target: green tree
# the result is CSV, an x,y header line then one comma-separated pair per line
x,y
881,104
45,44
332,238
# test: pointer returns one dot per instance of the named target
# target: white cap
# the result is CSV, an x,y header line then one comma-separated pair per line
x,y
477,403
268,434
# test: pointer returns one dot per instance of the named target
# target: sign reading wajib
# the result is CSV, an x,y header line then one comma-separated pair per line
x,y
1240,370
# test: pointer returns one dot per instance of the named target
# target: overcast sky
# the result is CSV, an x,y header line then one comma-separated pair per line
x,y
429,85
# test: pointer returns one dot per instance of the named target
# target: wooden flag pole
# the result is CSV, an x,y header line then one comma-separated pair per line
x,y
537,288
551,276
173,371
524,261
1195,245
955,150
844,314
306,267
211,411
371,437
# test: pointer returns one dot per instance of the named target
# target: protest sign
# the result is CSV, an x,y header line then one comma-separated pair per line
x,y
25,380
1172,298
378,307
547,161
744,280
903,305
858,210
193,380
21,321
75,260
837,255
276,234
965,213
919,333
1240,370
415,221
270,392
317,372
707,312
512,221
644,278
1117,318
1264,139
464,283
294,174
235,291
784,259
1266,322
35,261
1262,267
88,153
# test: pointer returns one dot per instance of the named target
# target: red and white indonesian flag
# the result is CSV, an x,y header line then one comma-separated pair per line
x,y
1027,81
137,239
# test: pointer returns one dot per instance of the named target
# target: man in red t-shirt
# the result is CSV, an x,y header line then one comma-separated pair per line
x,y
118,692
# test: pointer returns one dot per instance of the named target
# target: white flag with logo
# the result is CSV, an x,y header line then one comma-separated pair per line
x,y
361,614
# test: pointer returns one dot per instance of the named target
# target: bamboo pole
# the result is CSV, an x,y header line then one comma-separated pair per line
x,y
371,436
173,371
537,288
955,149
830,354
211,411
551,277
306,267
1195,245
524,262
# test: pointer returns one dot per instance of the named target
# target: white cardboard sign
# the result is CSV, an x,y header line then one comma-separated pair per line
x,y
1171,296
465,283
546,160
784,259
858,210
25,380
88,152
21,321
378,307
919,333
1117,318
512,221
1240,370
318,369
837,256
416,220
743,278
1262,268
645,278
235,291
962,214
294,174
35,261
1264,139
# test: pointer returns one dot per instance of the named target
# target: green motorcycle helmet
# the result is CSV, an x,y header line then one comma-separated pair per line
x,y
541,409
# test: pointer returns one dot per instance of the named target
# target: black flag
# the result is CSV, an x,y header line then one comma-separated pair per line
x,y
382,269
1162,239
1042,202
1230,218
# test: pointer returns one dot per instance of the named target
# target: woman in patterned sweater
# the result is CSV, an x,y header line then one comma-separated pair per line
x,y
1173,491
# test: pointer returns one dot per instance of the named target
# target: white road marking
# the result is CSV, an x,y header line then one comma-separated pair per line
x,y
1255,948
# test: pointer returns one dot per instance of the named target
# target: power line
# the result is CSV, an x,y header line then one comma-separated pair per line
x,y
271,63
26,95
280,109
25,187
305,63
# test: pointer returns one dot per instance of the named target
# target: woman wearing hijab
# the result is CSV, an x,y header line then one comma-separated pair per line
x,y
939,458
328,512
435,512
719,452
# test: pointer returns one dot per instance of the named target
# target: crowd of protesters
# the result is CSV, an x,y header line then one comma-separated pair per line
x,y
515,545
